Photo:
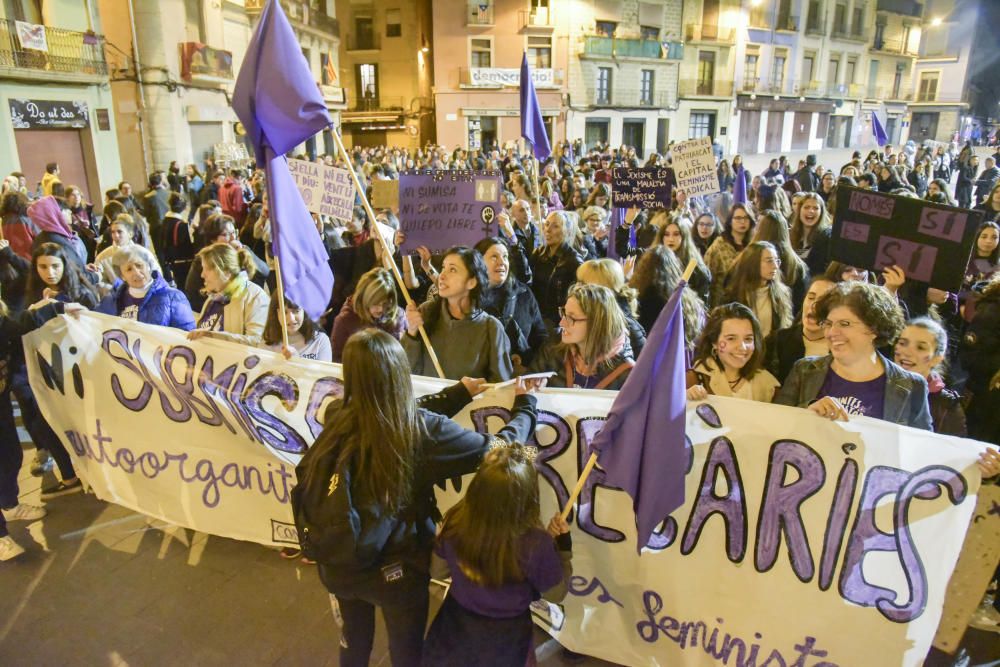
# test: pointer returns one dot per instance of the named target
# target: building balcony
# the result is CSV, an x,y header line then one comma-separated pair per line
x,y
300,13
858,34
74,54
378,105
787,24
204,64
703,88
905,7
887,94
698,32
479,15
538,20
893,47
371,42
614,47
659,99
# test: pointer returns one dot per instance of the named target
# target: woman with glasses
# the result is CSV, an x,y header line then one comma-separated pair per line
x,y
735,237
592,350
707,228
855,378
221,228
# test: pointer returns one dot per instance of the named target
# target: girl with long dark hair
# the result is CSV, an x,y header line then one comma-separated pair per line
x,y
395,451
56,276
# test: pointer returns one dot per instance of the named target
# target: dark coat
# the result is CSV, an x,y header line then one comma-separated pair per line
x,y
553,276
947,413
808,179
636,332
445,450
163,305
782,349
520,317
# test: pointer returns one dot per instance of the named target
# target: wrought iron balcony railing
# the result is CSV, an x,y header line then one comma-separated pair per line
x,y
69,51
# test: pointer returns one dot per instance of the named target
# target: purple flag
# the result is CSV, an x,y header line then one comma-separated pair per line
x,y
740,186
641,446
279,104
881,138
532,126
276,97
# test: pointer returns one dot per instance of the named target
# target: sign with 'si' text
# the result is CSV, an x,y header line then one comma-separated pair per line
x,y
930,242
325,190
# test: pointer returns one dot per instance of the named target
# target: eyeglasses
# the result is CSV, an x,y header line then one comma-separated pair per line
x,y
776,261
843,325
741,217
570,318
706,225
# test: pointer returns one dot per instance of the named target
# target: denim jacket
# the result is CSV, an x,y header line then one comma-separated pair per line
x,y
905,392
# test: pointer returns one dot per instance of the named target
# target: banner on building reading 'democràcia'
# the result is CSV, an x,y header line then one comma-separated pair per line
x,y
801,542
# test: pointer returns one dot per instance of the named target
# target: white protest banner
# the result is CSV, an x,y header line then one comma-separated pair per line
x,y
694,167
325,190
802,541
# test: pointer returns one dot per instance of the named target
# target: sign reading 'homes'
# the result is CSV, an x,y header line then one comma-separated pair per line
x,y
35,114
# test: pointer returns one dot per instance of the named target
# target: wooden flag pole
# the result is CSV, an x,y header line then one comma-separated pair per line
x,y
386,251
587,469
281,302
538,192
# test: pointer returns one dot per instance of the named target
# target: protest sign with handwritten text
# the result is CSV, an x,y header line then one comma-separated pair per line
x,y
442,209
930,242
641,187
694,165
801,541
325,190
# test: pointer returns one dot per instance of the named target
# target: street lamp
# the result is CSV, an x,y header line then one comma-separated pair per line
x,y
936,21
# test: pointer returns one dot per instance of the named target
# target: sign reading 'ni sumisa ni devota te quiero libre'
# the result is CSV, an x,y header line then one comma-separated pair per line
x,y
325,190
641,187
447,208
801,541
930,242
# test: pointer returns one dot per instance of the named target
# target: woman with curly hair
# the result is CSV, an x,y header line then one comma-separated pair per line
x,y
855,379
657,274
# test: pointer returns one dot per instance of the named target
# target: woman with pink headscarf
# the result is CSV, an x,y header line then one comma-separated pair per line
x,y
55,227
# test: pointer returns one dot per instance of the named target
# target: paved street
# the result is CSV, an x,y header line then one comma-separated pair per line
x,y
101,585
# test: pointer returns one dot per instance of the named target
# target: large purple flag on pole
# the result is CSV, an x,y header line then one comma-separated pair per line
x,y
641,446
277,100
532,125
740,187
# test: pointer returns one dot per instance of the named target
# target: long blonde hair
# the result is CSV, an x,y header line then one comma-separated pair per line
x,y
227,261
375,287
606,327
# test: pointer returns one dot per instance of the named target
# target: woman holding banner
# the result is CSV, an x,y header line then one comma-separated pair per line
x,y
855,379
468,340
395,452
592,352
235,308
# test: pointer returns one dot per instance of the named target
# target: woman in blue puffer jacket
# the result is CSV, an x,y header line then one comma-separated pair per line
x,y
143,295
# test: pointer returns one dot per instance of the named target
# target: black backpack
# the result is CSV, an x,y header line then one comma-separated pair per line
x,y
338,525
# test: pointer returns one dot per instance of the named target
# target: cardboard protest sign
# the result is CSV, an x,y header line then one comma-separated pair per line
x,y
930,242
694,166
801,541
325,190
441,209
385,193
642,187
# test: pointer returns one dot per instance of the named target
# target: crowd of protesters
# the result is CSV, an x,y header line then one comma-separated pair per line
x,y
569,285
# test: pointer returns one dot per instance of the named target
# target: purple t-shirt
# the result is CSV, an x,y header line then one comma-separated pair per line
x,y
541,567
212,317
858,398
130,306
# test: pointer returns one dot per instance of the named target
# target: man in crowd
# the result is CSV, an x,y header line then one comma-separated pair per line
x,y
50,178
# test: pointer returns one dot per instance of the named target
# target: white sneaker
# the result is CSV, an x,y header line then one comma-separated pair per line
x,y
9,548
24,512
